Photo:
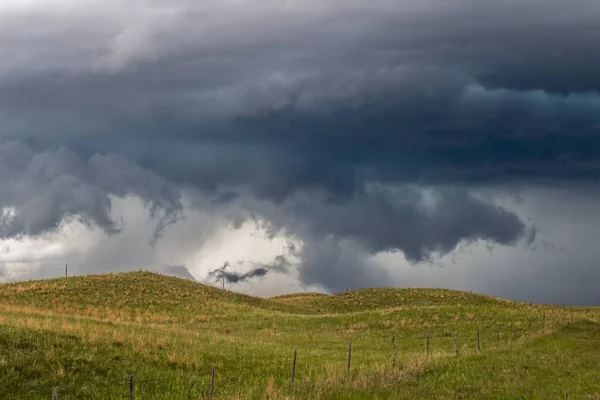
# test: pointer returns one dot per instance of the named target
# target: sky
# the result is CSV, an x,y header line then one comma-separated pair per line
x,y
314,145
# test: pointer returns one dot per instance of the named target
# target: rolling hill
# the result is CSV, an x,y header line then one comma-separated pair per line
x,y
84,337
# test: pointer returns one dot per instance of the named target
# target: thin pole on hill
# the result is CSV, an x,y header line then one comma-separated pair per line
x,y
293,372
515,335
66,270
456,342
497,337
427,344
544,322
349,357
553,318
395,351
131,388
212,382
478,343
571,313
223,283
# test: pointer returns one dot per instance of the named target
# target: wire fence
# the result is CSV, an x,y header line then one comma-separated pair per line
x,y
307,368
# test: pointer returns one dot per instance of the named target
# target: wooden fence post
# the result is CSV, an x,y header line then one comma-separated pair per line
x,y
544,322
478,343
131,388
212,382
427,344
395,351
293,372
571,313
456,342
349,357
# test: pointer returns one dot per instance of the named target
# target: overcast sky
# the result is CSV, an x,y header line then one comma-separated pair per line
x,y
309,144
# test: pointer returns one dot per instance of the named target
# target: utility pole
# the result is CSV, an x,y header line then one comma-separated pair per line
x,y
223,283
66,270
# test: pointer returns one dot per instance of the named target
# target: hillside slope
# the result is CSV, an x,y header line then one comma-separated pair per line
x,y
86,335
149,296
134,296
374,299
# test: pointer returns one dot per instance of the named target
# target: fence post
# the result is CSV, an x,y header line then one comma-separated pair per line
x,y
349,357
427,344
497,338
54,394
131,388
515,334
212,382
571,313
293,372
478,343
395,351
544,322
456,342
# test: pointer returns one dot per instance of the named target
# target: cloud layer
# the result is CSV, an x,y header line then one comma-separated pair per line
x,y
355,127
41,189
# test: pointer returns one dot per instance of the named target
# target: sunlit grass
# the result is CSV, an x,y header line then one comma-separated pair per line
x,y
86,335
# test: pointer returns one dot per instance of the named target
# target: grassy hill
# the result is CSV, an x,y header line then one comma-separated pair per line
x,y
86,335
374,299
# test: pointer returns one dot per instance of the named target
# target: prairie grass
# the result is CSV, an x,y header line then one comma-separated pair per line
x,y
86,335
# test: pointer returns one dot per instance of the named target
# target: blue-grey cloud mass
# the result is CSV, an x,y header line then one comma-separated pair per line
x,y
358,127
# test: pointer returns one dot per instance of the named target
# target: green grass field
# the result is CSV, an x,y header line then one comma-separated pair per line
x,y
84,336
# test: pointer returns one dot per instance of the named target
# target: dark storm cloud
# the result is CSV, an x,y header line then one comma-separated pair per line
x,y
420,86
418,223
425,223
303,108
41,189
280,265
339,265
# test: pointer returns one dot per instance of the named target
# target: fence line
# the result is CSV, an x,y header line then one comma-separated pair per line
x,y
476,343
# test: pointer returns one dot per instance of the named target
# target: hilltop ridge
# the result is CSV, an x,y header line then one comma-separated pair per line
x,y
142,294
